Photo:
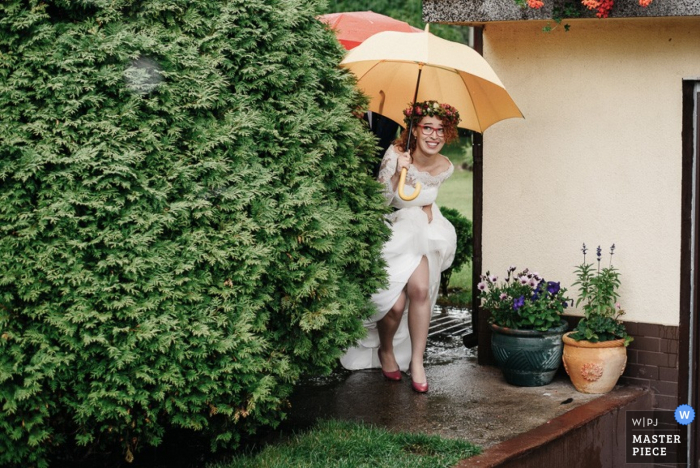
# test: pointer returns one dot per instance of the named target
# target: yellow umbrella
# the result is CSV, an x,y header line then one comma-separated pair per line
x,y
393,67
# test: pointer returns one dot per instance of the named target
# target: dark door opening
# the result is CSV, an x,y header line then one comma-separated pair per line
x,y
689,327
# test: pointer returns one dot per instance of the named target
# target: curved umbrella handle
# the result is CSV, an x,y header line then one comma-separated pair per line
x,y
402,182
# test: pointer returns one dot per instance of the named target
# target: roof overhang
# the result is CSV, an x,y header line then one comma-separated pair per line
x,y
479,12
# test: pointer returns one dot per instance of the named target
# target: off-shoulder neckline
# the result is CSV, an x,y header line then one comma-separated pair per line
x,y
449,168
415,169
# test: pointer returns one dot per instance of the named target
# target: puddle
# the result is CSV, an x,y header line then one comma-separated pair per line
x,y
444,350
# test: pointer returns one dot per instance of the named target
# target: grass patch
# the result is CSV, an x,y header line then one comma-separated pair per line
x,y
460,151
456,193
344,444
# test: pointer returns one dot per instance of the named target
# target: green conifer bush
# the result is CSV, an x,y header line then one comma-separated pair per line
x,y
465,245
187,218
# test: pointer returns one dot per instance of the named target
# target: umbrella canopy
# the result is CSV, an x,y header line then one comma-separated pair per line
x,y
387,67
354,27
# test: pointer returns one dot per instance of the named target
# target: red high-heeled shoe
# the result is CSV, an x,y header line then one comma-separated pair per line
x,y
419,387
393,375
416,386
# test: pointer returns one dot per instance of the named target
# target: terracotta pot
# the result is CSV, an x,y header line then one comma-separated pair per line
x,y
594,367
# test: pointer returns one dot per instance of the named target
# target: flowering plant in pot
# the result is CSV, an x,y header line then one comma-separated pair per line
x,y
595,351
598,293
526,325
524,301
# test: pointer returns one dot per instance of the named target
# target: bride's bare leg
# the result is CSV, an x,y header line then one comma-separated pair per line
x,y
418,318
386,328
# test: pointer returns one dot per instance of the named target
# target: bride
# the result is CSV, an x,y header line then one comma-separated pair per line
x,y
421,246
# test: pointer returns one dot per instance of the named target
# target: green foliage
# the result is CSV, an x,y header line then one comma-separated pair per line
x,y
598,293
335,444
410,11
187,219
523,301
465,244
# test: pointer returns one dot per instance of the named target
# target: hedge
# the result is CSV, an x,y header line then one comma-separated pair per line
x,y
187,219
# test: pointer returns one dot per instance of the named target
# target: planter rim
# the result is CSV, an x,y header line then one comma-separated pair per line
x,y
588,344
563,326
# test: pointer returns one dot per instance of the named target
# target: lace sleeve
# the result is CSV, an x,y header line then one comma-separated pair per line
x,y
386,171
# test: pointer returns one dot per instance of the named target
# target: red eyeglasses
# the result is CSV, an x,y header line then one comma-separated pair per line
x,y
427,130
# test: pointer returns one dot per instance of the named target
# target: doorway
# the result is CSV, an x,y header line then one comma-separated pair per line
x,y
689,345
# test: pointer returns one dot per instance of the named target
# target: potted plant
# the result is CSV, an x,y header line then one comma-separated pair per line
x,y
595,352
526,324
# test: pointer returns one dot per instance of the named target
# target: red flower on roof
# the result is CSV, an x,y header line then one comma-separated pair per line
x,y
603,6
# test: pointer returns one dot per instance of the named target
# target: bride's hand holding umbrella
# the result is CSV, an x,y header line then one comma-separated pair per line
x,y
403,162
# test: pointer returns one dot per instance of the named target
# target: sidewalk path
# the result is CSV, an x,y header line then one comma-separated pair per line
x,y
465,401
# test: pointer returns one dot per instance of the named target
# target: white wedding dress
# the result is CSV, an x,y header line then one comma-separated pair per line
x,y
412,238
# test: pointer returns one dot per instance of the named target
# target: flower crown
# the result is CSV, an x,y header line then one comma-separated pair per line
x,y
445,112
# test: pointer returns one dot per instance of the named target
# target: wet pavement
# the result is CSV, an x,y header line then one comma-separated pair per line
x,y
465,400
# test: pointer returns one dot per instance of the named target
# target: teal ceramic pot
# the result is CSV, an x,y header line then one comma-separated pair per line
x,y
528,358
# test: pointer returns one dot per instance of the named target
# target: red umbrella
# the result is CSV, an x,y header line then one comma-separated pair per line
x,y
353,27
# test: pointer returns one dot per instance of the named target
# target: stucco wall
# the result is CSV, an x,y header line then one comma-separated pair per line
x,y
598,157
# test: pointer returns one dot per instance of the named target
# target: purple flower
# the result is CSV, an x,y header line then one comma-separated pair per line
x,y
481,286
553,287
503,296
598,252
533,283
524,279
519,302
493,278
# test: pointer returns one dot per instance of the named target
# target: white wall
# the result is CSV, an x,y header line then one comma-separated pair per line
x,y
597,158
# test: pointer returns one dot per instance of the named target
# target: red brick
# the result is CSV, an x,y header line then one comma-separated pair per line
x,y
646,343
668,374
668,346
632,328
654,359
672,361
670,332
665,402
632,382
642,372
664,388
649,329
